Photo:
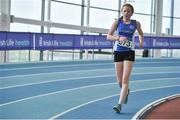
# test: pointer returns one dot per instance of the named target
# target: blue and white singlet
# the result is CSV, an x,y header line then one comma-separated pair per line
x,y
126,30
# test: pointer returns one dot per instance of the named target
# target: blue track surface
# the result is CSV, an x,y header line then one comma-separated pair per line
x,y
82,89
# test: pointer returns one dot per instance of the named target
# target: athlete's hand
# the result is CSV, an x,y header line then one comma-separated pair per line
x,y
122,38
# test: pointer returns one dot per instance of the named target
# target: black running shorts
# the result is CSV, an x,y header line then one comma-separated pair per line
x,y
124,55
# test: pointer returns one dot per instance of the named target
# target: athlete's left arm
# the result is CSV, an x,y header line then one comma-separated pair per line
x,y
140,32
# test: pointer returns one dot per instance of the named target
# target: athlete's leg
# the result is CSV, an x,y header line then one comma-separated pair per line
x,y
119,72
127,68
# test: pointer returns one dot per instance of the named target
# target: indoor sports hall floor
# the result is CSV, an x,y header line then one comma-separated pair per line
x,y
82,89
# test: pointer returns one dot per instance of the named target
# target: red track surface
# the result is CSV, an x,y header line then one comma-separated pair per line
x,y
167,110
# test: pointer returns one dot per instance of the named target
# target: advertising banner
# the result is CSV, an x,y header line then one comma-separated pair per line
x,y
84,42
18,41
61,41
160,43
48,41
43,41
147,42
174,43
100,42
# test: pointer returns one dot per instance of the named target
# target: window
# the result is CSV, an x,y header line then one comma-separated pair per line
x,y
104,4
142,6
101,18
26,9
176,27
166,25
65,13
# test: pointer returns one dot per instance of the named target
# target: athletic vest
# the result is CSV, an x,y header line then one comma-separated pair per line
x,y
126,30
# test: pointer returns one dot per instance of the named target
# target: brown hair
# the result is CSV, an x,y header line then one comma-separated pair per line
x,y
128,5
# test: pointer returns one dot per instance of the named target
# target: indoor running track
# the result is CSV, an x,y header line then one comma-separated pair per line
x,y
82,89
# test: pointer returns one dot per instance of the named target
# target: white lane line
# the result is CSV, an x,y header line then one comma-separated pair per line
x,y
72,89
75,71
56,80
55,66
76,65
77,78
59,62
107,97
51,73
57,92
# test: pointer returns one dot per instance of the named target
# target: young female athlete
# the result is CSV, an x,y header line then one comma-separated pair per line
x,y
124,55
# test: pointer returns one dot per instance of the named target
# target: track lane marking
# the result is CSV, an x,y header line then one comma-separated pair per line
x,y
107,97
72,89
77,78
80,64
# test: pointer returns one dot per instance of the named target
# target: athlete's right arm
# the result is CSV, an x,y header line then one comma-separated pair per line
x,y
110,34
141,36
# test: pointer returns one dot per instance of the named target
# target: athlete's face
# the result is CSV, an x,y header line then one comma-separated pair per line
x,y
127,12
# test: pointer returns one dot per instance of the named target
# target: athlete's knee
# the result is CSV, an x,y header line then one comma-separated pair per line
x,y
125,82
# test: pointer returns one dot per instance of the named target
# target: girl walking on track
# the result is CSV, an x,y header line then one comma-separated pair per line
x,y
124,54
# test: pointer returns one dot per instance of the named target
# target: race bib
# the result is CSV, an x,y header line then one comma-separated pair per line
x,y
126,43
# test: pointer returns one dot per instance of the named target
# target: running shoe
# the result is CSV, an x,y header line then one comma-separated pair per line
x,y
117,108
